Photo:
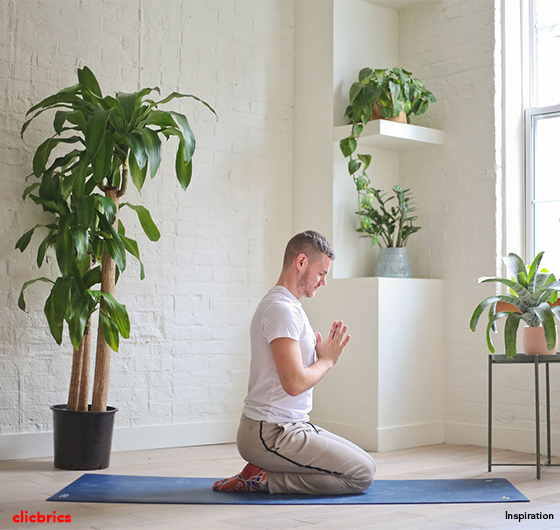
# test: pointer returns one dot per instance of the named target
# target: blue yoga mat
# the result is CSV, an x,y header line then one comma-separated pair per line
x,y
174,490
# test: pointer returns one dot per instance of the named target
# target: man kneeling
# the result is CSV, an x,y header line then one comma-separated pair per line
x,y
287,453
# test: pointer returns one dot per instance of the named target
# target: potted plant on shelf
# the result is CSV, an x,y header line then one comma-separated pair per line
x,y
101,142
532,298
389,94
388,224
382,93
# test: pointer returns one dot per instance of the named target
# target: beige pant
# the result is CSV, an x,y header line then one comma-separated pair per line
x,y
303,458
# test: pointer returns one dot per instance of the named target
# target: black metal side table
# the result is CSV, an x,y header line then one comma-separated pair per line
x,y
535,360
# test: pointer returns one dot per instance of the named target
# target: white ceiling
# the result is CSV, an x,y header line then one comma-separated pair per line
x,y
396,4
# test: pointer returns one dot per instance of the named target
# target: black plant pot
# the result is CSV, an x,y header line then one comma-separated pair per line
x,y
82,440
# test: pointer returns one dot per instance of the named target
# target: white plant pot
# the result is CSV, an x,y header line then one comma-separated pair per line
x,y
534,342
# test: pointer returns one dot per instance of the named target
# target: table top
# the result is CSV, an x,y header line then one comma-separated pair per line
x,y
524,358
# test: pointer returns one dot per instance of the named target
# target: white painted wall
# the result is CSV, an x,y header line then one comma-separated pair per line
x,y
451,46
222,239
386,391
365,35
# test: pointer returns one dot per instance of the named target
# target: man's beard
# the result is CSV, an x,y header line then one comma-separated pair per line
x,y
303,285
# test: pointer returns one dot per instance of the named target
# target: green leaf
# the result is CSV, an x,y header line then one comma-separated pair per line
x,y
25,239
80,236
134,141
109,208
533,269
56,307
137,174
521,291
510,335
128,104
43,152
92,277
365,74
182,170
366,159
115,248
546,318
348,146
101,162
49,240
64,246
81,171
81,311
516,266
85,211
490,327
21,300
353,166
110,331
491,300
86,78
29,189
355,91
131,246
160,118
96,130
189,142
114,244
178,95
152,144
118,314
146,221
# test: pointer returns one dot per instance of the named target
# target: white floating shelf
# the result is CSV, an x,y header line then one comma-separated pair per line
x,y
385,134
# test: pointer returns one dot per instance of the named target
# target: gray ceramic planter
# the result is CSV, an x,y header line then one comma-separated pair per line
x,y
393,263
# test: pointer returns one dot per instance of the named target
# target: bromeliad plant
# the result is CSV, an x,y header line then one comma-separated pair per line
x,y
100,142
532,293
389,225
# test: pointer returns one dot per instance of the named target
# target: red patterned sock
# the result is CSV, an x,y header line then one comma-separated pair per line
x,y
251,478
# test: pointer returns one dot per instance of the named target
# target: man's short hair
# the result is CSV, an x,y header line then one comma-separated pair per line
x,y
310,243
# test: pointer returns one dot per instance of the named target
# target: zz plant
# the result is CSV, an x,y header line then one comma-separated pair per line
x,y
388,224
99,144
532,293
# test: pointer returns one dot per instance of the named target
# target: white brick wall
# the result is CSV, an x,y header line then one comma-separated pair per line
x,y
222,239
450,46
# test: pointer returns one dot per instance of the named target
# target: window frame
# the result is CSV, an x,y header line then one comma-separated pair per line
x,y
533,114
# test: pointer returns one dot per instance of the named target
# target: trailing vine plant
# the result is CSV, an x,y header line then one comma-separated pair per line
x,y
393,91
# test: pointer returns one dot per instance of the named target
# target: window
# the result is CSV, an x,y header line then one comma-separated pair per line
x,y
542,132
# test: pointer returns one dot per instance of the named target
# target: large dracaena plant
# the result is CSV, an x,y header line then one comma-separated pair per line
x,y
531,292
101,142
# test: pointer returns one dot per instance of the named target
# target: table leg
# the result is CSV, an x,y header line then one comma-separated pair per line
x,y
489,413
537,417
548,413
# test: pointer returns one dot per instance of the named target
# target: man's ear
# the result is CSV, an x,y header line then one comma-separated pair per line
x,y
301,262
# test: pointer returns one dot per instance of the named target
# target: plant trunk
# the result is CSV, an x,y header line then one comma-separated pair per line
x,y
75,378
103,354
86,362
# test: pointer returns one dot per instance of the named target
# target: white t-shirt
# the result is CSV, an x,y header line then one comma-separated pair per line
x,y
279,315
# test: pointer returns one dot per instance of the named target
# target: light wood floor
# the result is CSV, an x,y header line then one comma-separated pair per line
x,y
25,484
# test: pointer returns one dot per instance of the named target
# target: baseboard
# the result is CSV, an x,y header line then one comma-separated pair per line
x,y
522,440
40,444
388,438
